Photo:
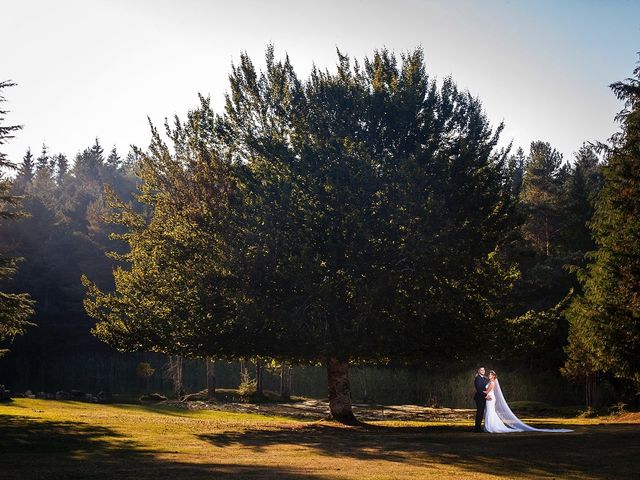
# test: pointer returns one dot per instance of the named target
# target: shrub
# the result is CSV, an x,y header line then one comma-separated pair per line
x,y
248,385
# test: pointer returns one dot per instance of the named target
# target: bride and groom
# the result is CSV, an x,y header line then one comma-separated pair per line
x,y
490,404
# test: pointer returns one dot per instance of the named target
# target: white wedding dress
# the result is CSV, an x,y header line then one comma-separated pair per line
x,y
498,417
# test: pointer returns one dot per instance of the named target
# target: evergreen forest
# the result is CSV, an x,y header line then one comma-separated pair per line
x,y
363,228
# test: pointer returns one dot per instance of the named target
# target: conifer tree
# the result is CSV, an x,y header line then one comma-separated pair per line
x,y
581,188
42,162
352,216
516,171
556,202
61,168
113,160
605,318
98,151
88,165
15,308
541,197
26,168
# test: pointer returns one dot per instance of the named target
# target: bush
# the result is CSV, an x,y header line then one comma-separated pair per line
x,y
589,412
144,371
248,386
618,409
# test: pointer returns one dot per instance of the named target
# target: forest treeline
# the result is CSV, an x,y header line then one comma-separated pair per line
x,y
518,222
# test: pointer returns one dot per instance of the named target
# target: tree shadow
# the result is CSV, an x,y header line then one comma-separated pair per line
x,y
38,450
34,449
590,452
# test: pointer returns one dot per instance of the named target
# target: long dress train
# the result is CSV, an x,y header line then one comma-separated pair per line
x,y
499,418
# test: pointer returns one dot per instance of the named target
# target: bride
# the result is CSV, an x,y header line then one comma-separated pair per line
x,y
499,418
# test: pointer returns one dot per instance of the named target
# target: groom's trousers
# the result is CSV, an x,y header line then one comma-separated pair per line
x,y
481,403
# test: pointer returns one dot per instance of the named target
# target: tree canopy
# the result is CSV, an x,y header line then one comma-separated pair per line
x,y
605,318
352,216
15,308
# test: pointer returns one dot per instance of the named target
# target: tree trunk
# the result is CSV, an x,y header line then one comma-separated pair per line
x,y
211,379
547,240
285,381
589,388
259,370
107,390
340,391
365,394
174,372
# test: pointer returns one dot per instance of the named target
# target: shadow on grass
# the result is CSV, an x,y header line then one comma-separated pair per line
x,y
34,449
157,408
590,452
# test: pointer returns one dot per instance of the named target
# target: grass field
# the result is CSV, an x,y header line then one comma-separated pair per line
x,y
66,440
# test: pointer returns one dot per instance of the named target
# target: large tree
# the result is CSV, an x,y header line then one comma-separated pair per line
x,y
605,319
352,216
15,308
541,197
555,203
581,189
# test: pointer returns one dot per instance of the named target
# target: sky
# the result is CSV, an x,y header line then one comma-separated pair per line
x,y
98,68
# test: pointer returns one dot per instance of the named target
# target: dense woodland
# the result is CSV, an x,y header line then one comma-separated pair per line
x,y
361,217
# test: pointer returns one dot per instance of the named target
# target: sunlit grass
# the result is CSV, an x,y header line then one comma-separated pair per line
x,y
49,439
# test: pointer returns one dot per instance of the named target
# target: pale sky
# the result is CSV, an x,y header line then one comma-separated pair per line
x,y
98,68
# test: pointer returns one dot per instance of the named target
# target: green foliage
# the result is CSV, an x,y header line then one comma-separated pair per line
x,y
605,319
555,202
539,333
365,213
15,308
580,191
248,385
540,197
62,235
515,171
26,168
358,214
144,371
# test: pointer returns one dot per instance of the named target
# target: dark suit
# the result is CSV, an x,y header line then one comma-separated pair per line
x,y
481,400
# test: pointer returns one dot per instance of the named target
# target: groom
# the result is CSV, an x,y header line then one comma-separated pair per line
x,y
480,398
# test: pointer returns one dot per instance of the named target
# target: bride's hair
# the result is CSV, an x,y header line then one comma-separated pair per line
x,y
492,372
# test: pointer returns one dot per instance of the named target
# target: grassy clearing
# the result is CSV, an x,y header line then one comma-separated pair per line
x,y
66,440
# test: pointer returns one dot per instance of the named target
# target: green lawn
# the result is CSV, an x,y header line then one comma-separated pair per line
x,y
66,440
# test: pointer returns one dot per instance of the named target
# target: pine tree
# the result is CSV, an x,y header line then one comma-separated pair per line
x,y
98,151
42,162
26,168
581,188
356,215
516,171
61,168
541,197
6,133
113,160
88,165
131,162
15,308
556,202
605,318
